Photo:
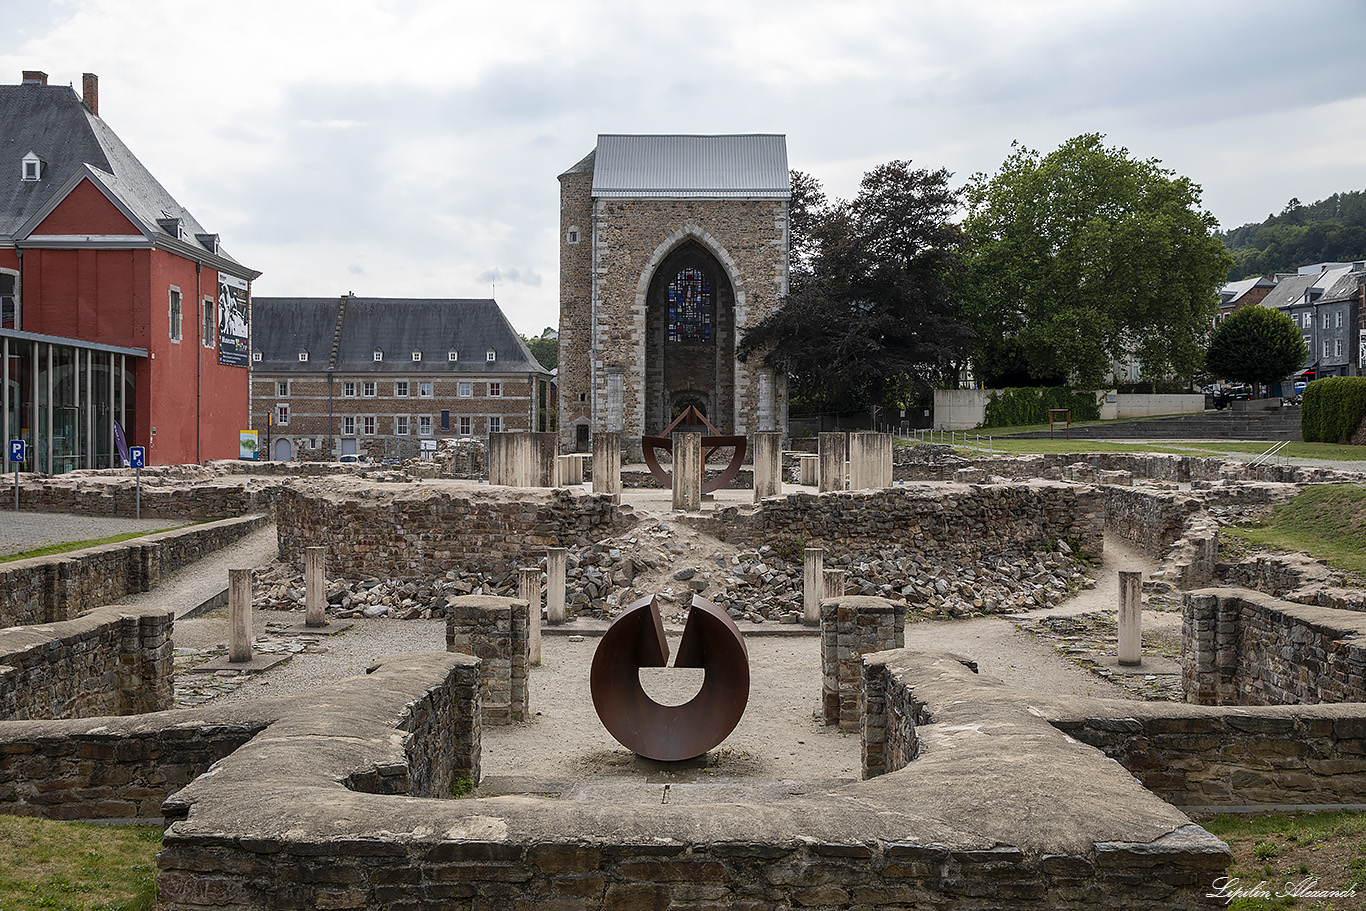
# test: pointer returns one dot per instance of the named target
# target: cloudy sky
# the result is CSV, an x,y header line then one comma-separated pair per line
x,y
410,147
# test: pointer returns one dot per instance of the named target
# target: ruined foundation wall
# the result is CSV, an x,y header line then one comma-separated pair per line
x,y
115,496
57,588
110,661
1244,648
1139,465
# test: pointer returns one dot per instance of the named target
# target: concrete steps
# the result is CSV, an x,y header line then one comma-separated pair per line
x,y
1281,424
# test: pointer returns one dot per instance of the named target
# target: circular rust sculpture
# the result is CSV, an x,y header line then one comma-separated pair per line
x,y
669,733
691,417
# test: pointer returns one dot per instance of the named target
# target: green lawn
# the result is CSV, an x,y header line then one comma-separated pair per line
x,y
76,866
1327,521
1200,448
1286,855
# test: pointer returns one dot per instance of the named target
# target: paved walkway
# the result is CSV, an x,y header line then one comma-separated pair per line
x,y
25,531
205,583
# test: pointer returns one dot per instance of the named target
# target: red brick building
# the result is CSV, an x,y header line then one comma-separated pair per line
x,y
116,305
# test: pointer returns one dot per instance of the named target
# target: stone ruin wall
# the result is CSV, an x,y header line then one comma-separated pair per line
x,y
56,588
996,520
1244,648
112,660
407,532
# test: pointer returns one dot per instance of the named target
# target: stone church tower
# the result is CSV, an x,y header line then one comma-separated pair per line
x,y
670,247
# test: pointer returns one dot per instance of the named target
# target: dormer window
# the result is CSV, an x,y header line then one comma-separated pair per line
x,y
379,355
303,357
31,167
491,355
172,226
208,242
417,355
256,355
452,355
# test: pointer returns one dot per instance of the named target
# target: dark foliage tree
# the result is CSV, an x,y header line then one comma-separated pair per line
x,y
871,314
1087,255
545,350
1256,345
1330,230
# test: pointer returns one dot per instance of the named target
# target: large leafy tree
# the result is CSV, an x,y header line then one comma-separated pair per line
x,y
1086,255
871,313
1256,345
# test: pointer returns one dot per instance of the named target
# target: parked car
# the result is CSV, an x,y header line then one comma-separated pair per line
x,y
350,458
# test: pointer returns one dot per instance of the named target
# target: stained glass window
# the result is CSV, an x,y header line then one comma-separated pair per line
x,y
689,307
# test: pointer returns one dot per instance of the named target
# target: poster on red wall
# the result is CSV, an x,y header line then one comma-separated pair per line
x,y
232,321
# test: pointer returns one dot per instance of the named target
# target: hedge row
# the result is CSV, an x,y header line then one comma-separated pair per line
x,y
1332,409
1030,405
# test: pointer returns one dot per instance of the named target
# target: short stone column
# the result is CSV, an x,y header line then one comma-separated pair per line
x,y
1130,618
810,469
494,630
767,448
239,615
571,470
542,459
851,627
529,590
870,461
607,464
556,559
834,583
506,460
832,455
687,472
813,584
315,586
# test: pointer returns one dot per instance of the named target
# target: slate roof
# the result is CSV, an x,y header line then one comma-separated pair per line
x,y
52,122
1289,291
1345,287
745,166
281,326
1232,291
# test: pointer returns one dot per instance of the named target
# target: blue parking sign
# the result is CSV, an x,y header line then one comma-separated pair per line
x,y
137,457
18,451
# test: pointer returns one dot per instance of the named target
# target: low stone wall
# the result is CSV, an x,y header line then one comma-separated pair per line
x,y
115,494
109,661
56,588
1243,647
405,531
1153,520
977,820
906,467
1294,577
851,627
959,522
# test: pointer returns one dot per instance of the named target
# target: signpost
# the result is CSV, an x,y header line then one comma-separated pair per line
x,y
18,454
137,457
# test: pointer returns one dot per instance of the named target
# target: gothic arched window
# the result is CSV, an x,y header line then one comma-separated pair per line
x,y
689,307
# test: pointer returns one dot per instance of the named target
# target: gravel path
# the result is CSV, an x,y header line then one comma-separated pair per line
x,y
25,531
187,589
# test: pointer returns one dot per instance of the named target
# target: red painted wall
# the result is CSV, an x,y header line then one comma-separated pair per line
x,y
86,210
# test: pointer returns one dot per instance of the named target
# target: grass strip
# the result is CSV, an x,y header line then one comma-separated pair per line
x,y
72,866
1326,521
81,545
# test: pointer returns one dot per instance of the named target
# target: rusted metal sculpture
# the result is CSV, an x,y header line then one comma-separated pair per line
x,y
669,733
691,417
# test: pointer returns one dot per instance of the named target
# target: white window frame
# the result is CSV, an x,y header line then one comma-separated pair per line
x,y
1339,320
1325,349
282,414
401,425
417,356
282,389
208,325
256,356
368,389
1325,319
452,355
495,423
369,425
303,357
31,167
401,389
348,389
425,390
496,389
466,425
175,312
465,390
1337,347
490,355
424,425
348,425
378,355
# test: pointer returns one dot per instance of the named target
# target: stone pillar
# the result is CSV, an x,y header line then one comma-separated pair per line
x,y
768,464
852,627
239,615
529,590
555,560
870,461
505,459
607,464
813,585
571,470
810,469
832,461
542,459
1130,618
315,586
687,472
494,630
834,583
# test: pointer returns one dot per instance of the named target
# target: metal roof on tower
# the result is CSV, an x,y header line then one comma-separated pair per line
x,y
744,166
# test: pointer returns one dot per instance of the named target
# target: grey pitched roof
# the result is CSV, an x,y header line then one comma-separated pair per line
x,y
1345,287
746,166
1232,291
396,326
1289,291
53,122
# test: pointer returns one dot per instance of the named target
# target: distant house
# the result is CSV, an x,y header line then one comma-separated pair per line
x,y
113,298
1326,305
376,377
1237,295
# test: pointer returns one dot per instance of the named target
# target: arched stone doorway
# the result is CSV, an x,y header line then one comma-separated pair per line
x,y
690,339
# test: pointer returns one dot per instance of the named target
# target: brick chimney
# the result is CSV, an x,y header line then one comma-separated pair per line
x,y
90,92
35,77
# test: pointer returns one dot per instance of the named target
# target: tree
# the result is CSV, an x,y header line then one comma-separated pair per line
x,y
1087,255
1256,345
545,350
871,313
